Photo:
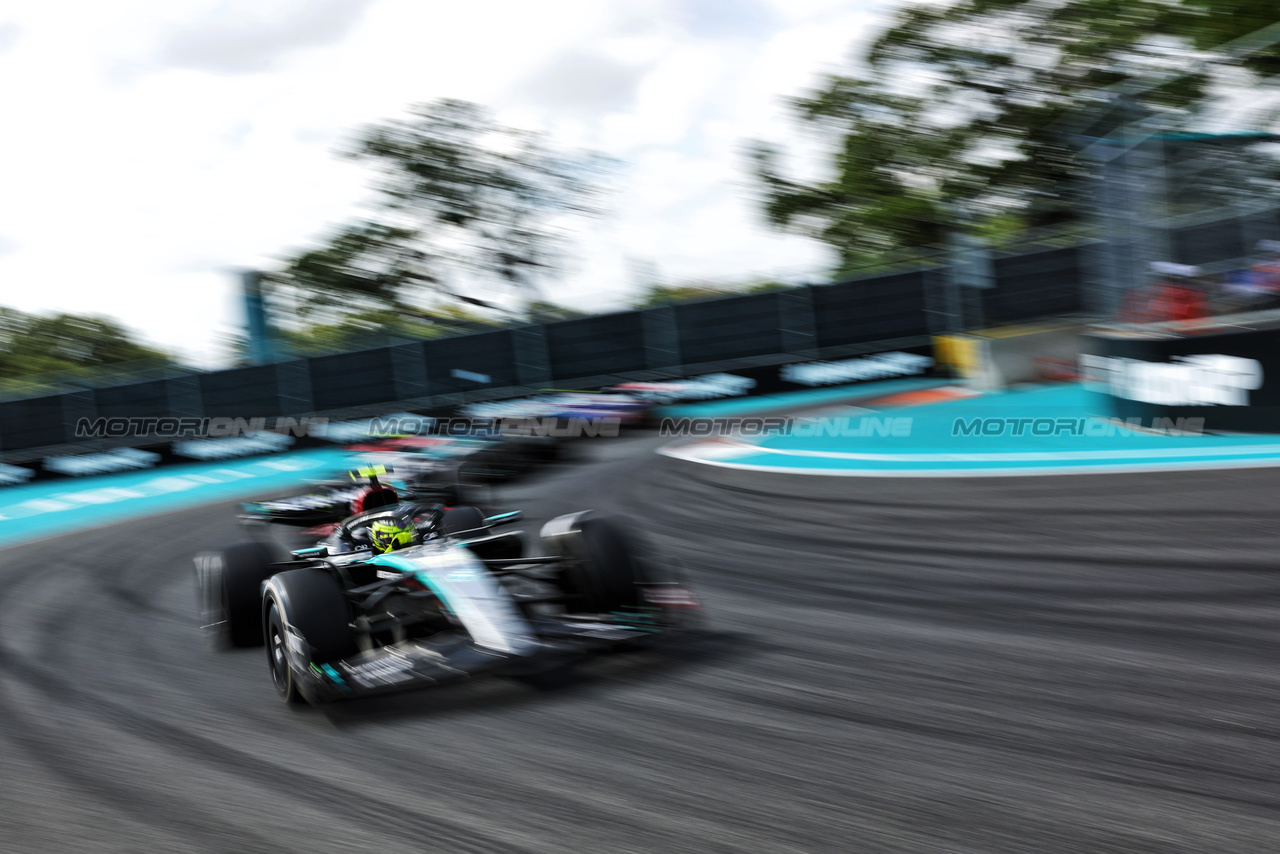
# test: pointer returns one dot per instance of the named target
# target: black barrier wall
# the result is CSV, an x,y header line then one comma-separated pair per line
x,y
1046,284
471,363
731,328
891,312
240,393
880,309
593,346
352,379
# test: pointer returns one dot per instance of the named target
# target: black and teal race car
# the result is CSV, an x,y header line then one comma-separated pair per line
x,y
444,469
342,619
327,503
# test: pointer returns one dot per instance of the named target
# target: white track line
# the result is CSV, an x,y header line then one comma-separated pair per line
x,y
1173,464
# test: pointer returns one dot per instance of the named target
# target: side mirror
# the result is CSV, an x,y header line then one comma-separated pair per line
x,y
503,518
313,551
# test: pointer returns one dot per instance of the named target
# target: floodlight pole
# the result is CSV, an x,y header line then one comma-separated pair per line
x,y
969,267
256,326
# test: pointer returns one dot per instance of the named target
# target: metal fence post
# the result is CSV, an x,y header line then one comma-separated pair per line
x,y
409,366
77,405
533,362
184,396
293,386
935,284
797,321
661,337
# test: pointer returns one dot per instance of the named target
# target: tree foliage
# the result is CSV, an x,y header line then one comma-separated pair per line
x,y
658,294
546,311
1245,27
974,112
377,327
459,197
34,345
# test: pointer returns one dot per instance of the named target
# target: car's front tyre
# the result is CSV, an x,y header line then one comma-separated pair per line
x,y
278,659
601,572
305,615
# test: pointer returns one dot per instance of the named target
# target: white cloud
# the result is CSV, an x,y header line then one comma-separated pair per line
x,y
153,145
584,83
716,20
9,35
243,36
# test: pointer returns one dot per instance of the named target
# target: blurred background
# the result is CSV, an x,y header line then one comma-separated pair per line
x,y
593,194
403,170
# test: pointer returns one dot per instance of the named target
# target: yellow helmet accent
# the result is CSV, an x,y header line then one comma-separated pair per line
x,y
369,471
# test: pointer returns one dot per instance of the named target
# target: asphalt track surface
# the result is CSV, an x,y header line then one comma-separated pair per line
x,y
1084,664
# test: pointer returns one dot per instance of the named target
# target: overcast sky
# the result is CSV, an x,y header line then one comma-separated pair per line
x,y
150,145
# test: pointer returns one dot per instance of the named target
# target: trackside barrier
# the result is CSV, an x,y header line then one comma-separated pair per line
x,y
1223,371
879,314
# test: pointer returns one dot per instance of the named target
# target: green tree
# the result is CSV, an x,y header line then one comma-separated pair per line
x,y
459,197
663,294
34,345
1246,27
545,311
975,111
372,328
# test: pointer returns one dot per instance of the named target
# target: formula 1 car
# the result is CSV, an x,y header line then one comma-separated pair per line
x,y
331,501
444,469
623,410
477,455
344,619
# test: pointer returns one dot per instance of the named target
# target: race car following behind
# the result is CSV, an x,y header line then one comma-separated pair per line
x,y
483,455
331,501
417,594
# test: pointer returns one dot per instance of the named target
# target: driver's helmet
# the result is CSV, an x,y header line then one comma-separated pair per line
x,y
396,531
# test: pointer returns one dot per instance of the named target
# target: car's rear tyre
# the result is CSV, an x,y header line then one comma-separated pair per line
x,y
463,520
311,603
602,571
230,584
